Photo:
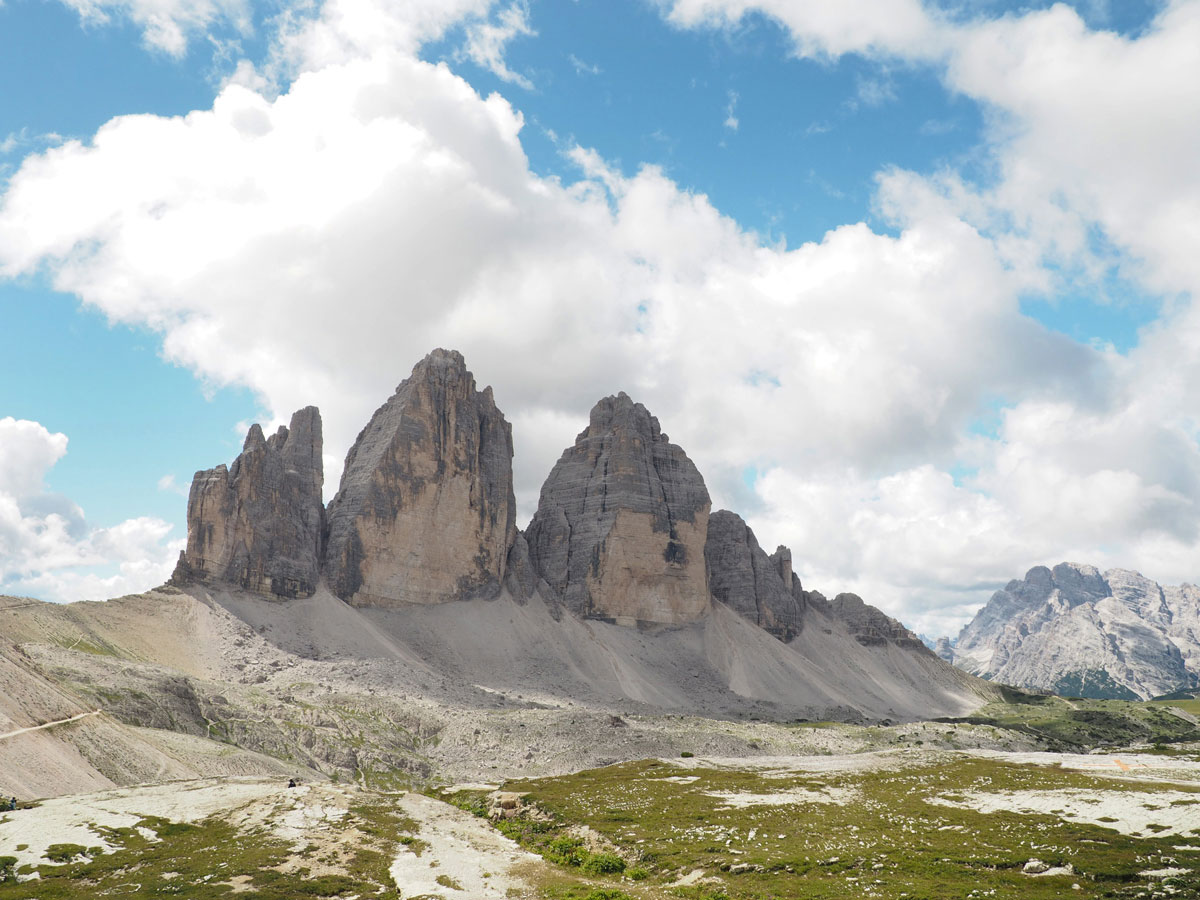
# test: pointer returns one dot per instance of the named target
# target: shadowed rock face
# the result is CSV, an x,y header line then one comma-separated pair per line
x,y
259,524
425,512
872,627
620,527
741,575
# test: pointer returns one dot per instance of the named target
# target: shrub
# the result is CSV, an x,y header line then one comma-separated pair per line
x,y
64,853
603,864
565,851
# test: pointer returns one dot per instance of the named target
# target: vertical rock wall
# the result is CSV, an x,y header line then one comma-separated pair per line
x,y
622,520
259,524
425,512
741,575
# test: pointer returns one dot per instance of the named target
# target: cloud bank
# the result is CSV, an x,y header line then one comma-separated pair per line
x,y
47,548
877,400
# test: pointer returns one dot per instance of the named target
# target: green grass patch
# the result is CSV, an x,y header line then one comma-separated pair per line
x,y
881,839
204,861
1073,724
63,853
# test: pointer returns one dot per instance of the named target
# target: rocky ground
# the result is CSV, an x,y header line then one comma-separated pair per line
x,y
145,734
207,683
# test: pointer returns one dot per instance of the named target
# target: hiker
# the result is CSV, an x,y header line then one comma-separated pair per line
x,y
291,782
12,805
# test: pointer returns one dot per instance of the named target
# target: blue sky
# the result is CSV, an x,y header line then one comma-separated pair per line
x,y
850,238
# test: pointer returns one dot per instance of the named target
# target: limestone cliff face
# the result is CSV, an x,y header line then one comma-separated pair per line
x,y
259,524
756,586
1075,631
425,512
872,627
622,521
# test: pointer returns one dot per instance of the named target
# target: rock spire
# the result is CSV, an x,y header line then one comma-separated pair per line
x,y
425,512
622,520
259,523
756,586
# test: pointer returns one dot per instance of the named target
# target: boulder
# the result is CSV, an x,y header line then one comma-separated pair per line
x,y
425,512
621,524
259,523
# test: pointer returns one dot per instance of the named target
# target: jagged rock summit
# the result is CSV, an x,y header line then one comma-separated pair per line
x,y
260,523
623,595
757,587
622,537
622,521
425,512
1076,631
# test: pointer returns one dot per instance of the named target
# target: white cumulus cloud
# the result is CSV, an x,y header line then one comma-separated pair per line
x,y
168,25
905,428
487,41
46,546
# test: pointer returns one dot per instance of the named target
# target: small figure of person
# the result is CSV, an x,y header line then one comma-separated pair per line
x,y
291,782
12,804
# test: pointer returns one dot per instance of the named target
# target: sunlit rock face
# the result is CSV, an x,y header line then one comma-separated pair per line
x,y
1076,631
425,512
259,523
622,521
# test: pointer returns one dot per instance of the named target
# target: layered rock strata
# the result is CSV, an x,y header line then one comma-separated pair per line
x,y
755,586
425,512
872,627
1076,631
621,524
259,523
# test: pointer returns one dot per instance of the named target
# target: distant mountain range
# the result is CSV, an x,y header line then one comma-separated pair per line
x,y
400,627
1075,631
623,536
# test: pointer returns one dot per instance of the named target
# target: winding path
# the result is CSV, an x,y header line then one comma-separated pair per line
x,y
9,734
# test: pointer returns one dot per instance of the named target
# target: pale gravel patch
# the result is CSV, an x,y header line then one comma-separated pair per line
x,y
462,847
787,766
1169,872
1130,766
69,820
694,877
470,786
792,796
1132,811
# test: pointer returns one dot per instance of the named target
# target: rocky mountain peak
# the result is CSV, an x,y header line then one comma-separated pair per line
x,y
1039,576
782,559
741,575
425,512
872,627
621,413
259,523
1078,631
1080,582
622,520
